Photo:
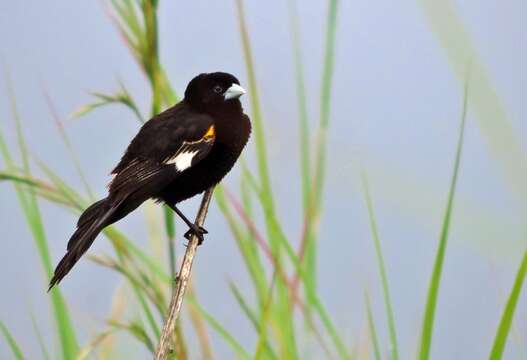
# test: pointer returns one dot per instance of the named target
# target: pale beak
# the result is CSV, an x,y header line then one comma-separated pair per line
x,y
234,92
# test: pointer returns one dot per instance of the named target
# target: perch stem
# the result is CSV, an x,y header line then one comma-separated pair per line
x,y
165,341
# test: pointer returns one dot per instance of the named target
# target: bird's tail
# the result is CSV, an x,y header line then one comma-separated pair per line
x,y
90,224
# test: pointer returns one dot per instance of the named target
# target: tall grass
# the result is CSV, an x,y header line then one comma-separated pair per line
x,y
282,297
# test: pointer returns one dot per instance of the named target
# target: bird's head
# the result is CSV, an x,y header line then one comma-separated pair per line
x,y
213,92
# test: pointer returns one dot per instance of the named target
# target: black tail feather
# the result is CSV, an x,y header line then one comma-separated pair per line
x,y
91,212
90,224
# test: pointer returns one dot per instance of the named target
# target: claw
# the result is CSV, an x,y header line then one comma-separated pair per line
x,y
198,231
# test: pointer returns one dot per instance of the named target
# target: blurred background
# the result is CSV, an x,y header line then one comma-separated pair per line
x,y
395,108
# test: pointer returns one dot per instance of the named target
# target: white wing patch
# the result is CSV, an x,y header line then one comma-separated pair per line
x,y
183,160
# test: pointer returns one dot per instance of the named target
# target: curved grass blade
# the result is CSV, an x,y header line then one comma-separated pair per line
x,y
435,280
122,96
508,312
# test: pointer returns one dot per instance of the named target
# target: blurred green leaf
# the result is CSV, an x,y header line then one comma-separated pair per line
x,y
491,116
435,280
508,312
15,349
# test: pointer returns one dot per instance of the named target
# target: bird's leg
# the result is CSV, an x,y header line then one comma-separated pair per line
x,y
193,228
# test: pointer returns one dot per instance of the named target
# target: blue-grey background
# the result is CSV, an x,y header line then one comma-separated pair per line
x,y
396,112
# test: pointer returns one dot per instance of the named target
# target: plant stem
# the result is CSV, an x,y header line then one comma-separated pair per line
x,y
163,348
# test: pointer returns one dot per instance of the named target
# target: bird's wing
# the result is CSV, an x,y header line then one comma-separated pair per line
x,y
161,152
163,135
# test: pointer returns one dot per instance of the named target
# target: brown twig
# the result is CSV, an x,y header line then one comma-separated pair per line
x,y
163,348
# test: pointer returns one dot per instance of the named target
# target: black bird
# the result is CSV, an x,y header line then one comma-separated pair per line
x,y
177,154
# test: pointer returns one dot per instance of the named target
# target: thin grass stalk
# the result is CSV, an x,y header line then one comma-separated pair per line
x,y
182,282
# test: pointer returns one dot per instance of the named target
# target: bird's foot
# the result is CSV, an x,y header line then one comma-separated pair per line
x,y
199,231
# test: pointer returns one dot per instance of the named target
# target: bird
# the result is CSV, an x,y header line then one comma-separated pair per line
x,y
177,154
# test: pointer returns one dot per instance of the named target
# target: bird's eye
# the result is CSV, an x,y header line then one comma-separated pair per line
x,y
218,89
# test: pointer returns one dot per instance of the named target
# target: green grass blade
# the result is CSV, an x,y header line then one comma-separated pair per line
x,y
325,97
371,325
122,97
508,312
435,280
256,115
315,207
13,345
286,329
394,350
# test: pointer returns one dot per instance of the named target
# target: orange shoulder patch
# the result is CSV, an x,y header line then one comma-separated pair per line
x,y
211,132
